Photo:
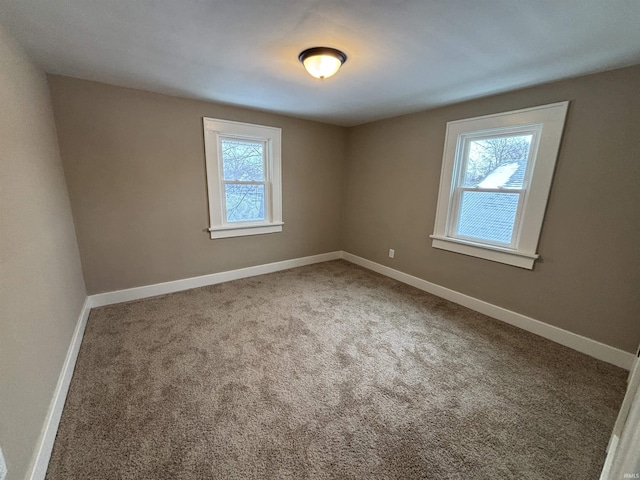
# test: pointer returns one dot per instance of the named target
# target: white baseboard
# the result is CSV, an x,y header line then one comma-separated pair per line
x,y
569,339
48,435
572,340
101,299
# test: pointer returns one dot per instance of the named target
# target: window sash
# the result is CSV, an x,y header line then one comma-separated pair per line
x,y
456,205
460,167
225,212
240,139
266,162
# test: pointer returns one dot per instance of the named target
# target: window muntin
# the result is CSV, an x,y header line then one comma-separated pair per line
x,y
492,196
243,178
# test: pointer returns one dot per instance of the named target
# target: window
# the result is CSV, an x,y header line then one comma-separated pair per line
x,y
495,181
243,178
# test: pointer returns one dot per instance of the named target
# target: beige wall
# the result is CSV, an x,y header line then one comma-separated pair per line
x,y
589,278
135,168
41,287
134,163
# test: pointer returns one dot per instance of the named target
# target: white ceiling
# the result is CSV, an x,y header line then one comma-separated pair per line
x,y
404,55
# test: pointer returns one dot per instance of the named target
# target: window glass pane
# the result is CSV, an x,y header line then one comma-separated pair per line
x,y
245,203
497,162
242,160
487,215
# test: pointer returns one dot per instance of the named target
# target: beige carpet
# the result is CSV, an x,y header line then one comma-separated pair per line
x,y
327,372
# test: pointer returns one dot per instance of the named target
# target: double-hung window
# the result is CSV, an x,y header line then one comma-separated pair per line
x,y
495,181
243,178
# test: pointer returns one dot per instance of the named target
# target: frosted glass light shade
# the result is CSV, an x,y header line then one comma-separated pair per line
x,y
322,62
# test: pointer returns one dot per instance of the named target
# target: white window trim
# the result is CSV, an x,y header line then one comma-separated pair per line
x,y
214,130
522,252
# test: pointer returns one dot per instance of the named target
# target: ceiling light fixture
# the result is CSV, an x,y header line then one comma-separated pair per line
x,y
322,62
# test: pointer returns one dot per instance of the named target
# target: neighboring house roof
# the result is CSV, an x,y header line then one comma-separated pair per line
x,y
517,179
499,177
508,175
488,215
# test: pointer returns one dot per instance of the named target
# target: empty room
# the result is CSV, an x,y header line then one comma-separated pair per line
x,y
319,239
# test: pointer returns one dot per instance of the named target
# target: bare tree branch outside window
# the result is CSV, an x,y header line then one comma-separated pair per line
x,y
486,155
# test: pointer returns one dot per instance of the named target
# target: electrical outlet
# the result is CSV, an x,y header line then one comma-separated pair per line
x,y
392,253
3,466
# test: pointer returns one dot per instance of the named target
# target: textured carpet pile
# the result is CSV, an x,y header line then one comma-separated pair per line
x,y
327,372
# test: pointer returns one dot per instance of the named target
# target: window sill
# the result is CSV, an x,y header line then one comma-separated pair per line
x,y
229,231
495,254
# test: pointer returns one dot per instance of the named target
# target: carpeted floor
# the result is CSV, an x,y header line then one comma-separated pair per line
x,y
327,372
